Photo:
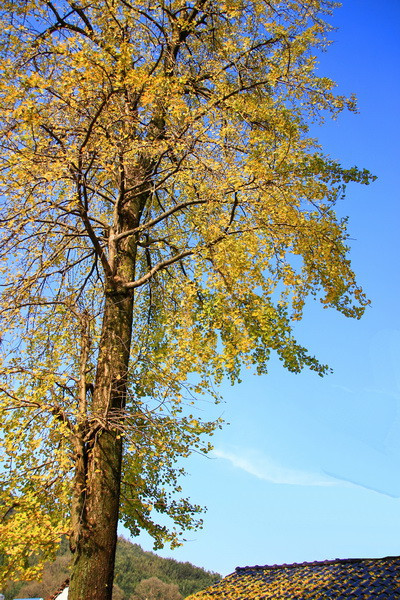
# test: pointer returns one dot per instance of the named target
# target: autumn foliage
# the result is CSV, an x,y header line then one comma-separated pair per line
x,y
164,216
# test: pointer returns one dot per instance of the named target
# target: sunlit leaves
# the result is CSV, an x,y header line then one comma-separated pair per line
x,y
159,152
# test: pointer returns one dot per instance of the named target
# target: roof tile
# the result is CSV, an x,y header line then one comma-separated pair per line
x,y
341,579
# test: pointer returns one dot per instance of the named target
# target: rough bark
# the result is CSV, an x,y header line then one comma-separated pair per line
x,y
94,550
99,454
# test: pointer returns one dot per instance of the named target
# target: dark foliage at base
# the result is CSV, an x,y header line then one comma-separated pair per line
x,y
138,575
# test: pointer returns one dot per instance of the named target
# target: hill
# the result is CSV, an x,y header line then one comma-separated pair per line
x,y
139,575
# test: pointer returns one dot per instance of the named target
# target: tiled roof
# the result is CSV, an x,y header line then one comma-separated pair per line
x,y
348,579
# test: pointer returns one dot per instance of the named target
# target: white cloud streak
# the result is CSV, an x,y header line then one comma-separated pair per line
x,y
269,470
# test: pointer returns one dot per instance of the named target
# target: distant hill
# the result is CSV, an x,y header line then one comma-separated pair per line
x,y
139,575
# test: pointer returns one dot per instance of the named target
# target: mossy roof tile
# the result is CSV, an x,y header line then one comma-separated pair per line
x,y
341,579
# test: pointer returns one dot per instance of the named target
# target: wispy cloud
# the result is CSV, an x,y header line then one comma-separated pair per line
x,y
343,388
263,467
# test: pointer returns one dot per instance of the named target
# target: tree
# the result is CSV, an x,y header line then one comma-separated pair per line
x,y
155,589
53,578
165,214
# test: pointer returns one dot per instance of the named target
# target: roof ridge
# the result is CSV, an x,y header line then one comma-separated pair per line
x,y
313,564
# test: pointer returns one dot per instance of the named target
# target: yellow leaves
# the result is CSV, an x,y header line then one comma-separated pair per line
x,y
22,560
186,152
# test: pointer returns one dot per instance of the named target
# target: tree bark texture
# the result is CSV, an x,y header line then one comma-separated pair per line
x,y
94,550
99,456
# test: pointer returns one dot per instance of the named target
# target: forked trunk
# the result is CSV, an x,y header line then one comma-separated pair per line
x,y
96,494
96,500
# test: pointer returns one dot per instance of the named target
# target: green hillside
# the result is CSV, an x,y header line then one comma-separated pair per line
x,y
139,575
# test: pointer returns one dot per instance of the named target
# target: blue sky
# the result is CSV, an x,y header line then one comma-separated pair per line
x,y
309,468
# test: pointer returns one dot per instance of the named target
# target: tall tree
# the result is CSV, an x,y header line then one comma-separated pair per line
x,y
165,214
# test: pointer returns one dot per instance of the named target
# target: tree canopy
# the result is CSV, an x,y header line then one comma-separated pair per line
x,y
164,216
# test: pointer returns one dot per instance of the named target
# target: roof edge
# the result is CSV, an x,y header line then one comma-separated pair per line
x,y
313,564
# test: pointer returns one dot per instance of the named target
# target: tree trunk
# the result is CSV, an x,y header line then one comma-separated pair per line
x,y
96,502
96,535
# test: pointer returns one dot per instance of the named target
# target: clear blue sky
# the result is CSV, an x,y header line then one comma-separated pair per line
x,y
309,468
